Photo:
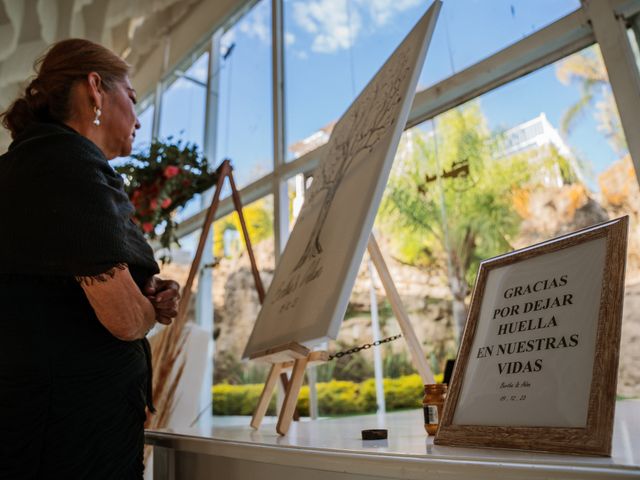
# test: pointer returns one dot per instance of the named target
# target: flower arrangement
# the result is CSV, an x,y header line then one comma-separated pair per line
x,y
162,179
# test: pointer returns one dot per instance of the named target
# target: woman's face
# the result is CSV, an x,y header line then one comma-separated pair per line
x,y
119,119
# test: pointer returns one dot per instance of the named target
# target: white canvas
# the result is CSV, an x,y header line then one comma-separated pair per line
x,y
313,280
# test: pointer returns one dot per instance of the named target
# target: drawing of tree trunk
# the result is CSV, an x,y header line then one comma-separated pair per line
x,y
369,122
329,188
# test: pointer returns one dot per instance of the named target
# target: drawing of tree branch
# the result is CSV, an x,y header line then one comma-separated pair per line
x,y
357,133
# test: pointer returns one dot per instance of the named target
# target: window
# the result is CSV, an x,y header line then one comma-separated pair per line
x,y
182,113
183,103
536,158
143,135
551,170
334,47
245,133
145,117
236,303
469,31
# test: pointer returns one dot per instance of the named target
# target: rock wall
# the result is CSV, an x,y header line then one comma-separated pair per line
x,y
548,213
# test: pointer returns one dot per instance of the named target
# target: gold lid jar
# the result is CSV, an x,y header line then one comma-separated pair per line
x,y
433,404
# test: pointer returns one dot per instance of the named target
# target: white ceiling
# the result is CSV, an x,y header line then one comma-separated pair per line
x,y
132,28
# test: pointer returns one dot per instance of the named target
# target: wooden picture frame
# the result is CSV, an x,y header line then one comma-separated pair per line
x,y
481,411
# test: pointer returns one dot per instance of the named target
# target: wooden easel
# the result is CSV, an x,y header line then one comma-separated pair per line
x,y
170,339
292,356
297,357
225,170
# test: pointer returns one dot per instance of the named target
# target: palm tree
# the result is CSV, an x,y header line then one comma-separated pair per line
x,y
480,218
587,69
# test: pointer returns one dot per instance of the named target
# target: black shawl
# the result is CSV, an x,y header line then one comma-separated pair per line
x,y
64,213
64,210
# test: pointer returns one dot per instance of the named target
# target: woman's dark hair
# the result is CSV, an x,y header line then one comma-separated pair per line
x,y
46,98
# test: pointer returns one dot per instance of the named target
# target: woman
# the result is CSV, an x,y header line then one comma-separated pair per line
x,y
77,287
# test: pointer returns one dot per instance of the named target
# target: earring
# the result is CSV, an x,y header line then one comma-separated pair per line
x,y
98,112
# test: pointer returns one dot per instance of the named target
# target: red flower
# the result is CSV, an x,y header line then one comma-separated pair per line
x,y
147,227
154,188
165,203
153,204
171,171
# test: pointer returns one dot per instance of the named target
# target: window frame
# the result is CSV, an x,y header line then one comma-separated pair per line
x,y
604,22
558,40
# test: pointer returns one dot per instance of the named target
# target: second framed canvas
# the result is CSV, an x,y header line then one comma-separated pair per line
x,y
538,361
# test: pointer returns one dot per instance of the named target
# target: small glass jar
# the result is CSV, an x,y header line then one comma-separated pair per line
x,y
432,404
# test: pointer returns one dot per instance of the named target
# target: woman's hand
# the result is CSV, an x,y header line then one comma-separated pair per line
x,y
164,296
119,304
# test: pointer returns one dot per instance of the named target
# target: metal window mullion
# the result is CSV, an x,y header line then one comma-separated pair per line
x,y
204,304
554,42
157,101
204,300
157,106
610,30
279,184
280,193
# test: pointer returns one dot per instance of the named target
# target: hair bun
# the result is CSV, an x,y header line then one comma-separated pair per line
x,y
36,96
18,116
34,87
32,106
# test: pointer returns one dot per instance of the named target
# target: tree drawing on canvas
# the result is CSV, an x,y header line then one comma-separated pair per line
x,y
355,135
311,285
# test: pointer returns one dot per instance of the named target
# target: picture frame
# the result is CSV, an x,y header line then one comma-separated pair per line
x,y
537,364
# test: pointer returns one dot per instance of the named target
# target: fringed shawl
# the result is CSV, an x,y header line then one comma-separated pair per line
x,y
64,210
64,213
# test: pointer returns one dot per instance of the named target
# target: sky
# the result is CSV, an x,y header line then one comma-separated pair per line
x,y
334,47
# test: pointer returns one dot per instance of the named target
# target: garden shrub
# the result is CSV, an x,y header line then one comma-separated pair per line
x,y
336,397
238,399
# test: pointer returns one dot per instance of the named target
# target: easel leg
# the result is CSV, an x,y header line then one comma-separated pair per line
x,y
223,172
237,202
291,397
417,354
284,379
265,396
170,337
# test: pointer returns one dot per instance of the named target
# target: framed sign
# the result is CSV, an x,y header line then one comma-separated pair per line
x,y
538,360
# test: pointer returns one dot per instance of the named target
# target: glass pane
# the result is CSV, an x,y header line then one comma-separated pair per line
x,y
469,31
182,113
333,48
245,133
182,256
143,134
183,103
236,303
296,189
539,157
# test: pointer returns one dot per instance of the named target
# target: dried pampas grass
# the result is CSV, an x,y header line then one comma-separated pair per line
x,y
168,360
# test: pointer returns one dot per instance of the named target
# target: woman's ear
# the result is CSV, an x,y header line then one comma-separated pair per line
x,y
96,91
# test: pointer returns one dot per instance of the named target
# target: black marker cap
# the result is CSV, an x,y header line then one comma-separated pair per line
x,y
374,434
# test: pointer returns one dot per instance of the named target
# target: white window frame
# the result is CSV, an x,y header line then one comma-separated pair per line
x,y
558,40
601,21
